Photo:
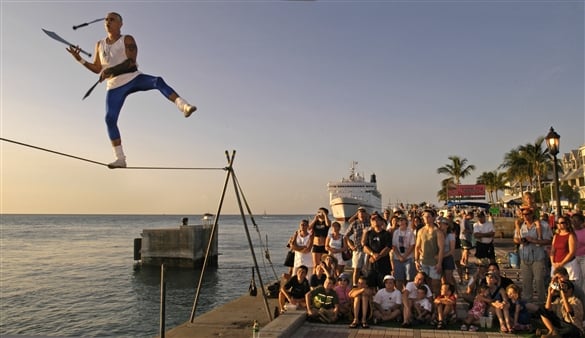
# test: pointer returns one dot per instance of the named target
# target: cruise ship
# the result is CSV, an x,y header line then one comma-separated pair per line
x,y
347,195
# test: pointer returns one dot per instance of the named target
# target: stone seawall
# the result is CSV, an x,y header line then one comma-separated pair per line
x,y
182,247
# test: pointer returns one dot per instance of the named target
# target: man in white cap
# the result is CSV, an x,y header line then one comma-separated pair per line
x,y
387,301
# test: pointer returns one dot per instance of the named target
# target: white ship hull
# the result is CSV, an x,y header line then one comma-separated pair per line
x,y
345,207
347,195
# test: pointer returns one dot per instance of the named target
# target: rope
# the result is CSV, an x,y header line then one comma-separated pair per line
x,y
265,244
104,164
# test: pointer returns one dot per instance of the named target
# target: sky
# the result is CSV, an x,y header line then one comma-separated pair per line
x,y
299,89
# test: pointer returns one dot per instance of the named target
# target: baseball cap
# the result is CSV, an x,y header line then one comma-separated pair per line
x,y
387,277
344,276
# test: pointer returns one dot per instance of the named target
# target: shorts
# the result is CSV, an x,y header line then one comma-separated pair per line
x,y
404,270
483,250
431,271
319,249
448,263
358,259
466,245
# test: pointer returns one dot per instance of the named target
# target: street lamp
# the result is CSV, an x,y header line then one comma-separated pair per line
x,y
552,143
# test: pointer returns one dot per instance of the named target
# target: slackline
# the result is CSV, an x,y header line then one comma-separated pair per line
x,y
104,164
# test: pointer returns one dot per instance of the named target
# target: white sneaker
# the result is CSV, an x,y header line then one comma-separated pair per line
x,y
188,110
119,163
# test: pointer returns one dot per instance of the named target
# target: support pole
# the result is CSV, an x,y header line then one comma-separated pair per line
x,y
163,296
229,171
559,211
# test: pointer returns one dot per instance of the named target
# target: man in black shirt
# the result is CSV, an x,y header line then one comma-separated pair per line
x,y
377,245
295,289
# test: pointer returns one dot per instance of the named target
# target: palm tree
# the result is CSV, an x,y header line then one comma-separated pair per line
x,y
516,168
493,182
500,183
446,185
538,161
486,178
456,170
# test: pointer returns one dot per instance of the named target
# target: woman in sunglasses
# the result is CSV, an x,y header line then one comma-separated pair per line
x,y
564,245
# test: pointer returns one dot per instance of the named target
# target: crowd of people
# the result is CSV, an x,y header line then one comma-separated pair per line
x,y
400,266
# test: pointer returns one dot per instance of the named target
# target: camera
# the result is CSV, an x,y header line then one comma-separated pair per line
x,y
524,240
402,249
558,286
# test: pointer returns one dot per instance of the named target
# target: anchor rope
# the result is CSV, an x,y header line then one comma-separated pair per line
x,y
104,164
264,244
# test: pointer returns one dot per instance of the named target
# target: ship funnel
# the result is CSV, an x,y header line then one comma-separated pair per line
x,y
373,178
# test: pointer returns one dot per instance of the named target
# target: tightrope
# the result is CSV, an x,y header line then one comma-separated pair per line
x,y
104,164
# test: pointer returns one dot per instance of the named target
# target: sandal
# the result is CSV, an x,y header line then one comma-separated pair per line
x,y
353,325
503,330
440,325
365,325
473,328
463,327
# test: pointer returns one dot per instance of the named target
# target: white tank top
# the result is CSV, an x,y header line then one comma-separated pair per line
x,y
112,55
303,258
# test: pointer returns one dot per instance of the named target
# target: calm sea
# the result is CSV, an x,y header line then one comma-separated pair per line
x,y
74,275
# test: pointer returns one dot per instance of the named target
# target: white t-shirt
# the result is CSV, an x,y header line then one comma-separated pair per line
x,y
407,237
412,289
388,299
483,228
425,303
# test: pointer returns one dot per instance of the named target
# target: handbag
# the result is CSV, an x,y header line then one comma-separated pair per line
x,y
290,259
347,254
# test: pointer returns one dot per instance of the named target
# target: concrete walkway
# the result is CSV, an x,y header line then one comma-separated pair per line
x,y
311,330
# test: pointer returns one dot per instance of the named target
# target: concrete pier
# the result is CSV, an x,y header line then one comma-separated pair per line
x,y
231,320
182,247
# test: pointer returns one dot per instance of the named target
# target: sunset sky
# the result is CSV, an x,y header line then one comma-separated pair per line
x,y
298,88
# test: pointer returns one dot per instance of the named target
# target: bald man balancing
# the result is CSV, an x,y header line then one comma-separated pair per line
x,y
115,61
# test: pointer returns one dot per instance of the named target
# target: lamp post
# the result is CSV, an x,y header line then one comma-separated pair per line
x,y
552,143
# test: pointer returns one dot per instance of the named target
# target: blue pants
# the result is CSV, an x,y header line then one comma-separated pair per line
x,y
115,98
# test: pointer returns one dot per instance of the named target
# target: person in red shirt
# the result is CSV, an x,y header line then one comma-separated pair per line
x,y
445,304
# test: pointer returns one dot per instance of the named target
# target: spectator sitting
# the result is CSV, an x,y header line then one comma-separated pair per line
x,y
500,305
294,290
345,302
409,296
518,311
480,303
493,268
563,317
562,275
422,306
445,304
322,302
387,301
362,297
327,269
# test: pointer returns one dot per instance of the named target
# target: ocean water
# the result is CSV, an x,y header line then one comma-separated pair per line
x,y
74,275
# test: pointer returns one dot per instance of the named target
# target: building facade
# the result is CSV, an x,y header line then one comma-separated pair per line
x,y
573,164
